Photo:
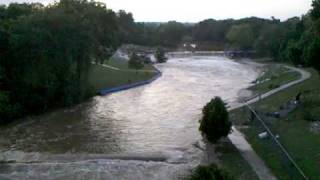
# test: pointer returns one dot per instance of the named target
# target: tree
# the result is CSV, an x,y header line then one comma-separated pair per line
x,y
211,30
127,27
315,11
146,34
312,55
8,110
46,53
16,10
3,12
160,55
215,122
269,40
135,61
294,53
241,36
171,33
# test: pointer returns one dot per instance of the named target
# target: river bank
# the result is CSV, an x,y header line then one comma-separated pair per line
x,y
283,76
156,121
289,129
107,78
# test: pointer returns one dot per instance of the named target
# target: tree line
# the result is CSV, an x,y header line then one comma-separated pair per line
x,y
46,52
294,40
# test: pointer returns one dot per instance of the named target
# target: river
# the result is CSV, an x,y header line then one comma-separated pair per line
x,y
149,132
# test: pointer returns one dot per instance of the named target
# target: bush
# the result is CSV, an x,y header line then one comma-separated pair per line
x,y
8,111
215,122
135,62
211,172
160,56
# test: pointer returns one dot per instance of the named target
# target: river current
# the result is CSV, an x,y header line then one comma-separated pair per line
x,y
149,132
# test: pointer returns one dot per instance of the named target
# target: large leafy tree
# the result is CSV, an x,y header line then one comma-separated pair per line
x,y
315,11
211,30
314,49
241,36
46,54
127,27
269,40
171,33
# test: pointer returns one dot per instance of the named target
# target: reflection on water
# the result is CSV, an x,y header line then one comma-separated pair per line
x,y
155,121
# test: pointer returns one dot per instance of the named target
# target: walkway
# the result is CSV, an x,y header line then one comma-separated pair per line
x,y
239,141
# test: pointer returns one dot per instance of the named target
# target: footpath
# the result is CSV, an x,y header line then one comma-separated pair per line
x,y
244,147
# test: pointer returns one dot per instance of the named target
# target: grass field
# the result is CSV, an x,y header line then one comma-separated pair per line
x,y
274,76
123,64
233,162
294,132
103,77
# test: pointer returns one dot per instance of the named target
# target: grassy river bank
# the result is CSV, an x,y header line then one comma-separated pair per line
x,y
116,73
298,134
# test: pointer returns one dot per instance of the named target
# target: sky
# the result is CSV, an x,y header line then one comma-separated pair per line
x,y
197,10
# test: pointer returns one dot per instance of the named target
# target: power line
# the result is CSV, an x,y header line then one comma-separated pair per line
x,y
278,143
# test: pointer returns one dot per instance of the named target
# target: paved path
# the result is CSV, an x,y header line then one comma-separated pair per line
x,y
304,76
238,139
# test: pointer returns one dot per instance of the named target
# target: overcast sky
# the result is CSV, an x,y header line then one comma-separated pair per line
x,y
197,10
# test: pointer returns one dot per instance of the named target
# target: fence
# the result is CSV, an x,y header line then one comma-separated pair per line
x,y
106,91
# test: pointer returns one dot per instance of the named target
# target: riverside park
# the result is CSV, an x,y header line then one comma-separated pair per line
x,y
137,90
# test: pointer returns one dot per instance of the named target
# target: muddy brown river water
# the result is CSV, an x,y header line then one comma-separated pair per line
x,y
149,132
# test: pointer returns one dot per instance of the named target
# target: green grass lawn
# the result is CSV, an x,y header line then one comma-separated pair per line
x,y
294,133
274,76
102,77
123,64
232,160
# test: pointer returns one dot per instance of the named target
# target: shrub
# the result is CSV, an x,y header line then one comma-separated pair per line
x,y
8,111
211,172
215,122
160,56
135,62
